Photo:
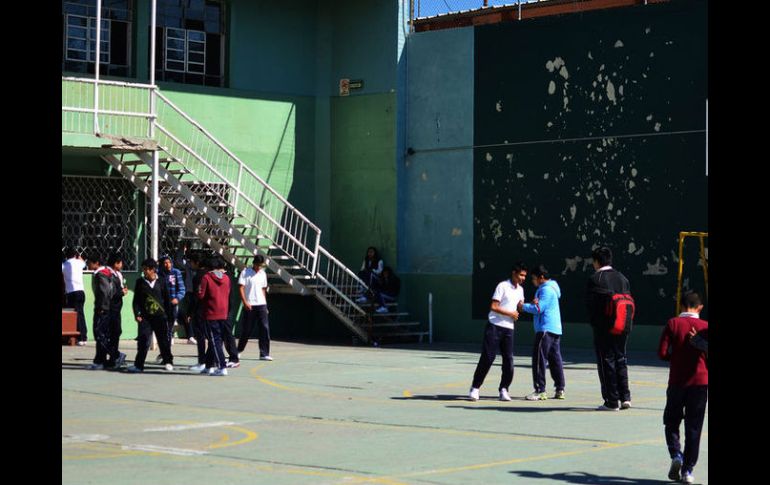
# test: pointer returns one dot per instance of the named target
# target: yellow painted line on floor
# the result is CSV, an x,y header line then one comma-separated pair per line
x,y
250,436
528,459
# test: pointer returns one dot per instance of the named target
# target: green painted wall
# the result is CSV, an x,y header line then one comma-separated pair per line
x,y
363,195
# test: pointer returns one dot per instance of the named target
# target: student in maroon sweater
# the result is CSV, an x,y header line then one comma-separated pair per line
x,y
688,381
214,294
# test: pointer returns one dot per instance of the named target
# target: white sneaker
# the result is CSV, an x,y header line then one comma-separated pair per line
x,y
474,394
218,372
132,369
169,367
95,367
361,299
381,309
604,407
536,396
265,357
120,360
233,365
687,477
198,368
625,405
192,341
81,343
504,395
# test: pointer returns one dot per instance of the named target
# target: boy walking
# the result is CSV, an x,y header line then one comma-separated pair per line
x,y
688,381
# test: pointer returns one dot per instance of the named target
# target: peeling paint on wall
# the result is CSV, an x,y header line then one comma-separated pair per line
x,y
657,269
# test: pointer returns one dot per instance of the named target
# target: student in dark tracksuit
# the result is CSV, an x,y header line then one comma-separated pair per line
x,y
101,284
176,290
117,358
187,305
688,385
214,296
610,349
150,302
195,314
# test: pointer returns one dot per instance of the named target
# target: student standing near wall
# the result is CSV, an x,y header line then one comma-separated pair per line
x,y
101,285
498,334
119,290
214,296
547,345
610,349
74,292
252,285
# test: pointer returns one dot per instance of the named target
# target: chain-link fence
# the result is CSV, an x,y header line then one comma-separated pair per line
x,y
430,8
99,217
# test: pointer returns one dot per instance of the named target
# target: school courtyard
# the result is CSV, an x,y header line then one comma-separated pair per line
x,y
322,414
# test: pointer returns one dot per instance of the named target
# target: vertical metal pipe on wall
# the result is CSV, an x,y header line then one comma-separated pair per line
x,y
155,169
96,65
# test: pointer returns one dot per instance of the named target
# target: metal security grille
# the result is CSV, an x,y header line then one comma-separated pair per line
x,y
99,217
171,233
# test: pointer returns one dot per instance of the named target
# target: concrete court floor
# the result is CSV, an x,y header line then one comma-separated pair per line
x,y
325,414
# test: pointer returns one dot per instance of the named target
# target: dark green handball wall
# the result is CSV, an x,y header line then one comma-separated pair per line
x,y
590,130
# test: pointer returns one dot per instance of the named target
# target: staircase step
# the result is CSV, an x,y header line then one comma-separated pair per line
x,y
396,314
176,171
394,324
404,334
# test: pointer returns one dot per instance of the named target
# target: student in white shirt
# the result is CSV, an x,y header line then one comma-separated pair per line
x,y
252,285
498,334
74,294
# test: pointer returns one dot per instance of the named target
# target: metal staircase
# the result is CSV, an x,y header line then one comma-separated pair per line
x,y
247,218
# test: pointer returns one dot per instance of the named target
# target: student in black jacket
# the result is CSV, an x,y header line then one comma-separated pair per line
x,y
101,284
610,349
151,299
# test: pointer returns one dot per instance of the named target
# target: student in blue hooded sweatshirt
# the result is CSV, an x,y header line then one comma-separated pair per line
x,y
547,347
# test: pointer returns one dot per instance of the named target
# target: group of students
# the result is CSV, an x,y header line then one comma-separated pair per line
x,y
197,296
684,342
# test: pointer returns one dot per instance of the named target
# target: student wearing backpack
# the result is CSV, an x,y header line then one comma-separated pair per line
x,y
609,340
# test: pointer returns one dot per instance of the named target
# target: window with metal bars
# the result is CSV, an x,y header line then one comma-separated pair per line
x,y
190,42
79,36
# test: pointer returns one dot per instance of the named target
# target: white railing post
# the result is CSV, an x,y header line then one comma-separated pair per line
x,y
96,66
238,189
315,253
430,318
155,154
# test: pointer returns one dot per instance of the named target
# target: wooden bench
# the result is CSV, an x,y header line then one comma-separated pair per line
x,y
69,325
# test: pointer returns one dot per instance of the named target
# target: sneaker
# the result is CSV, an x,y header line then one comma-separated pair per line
x,y
687,477
625,405
132,369
95,367
361,299
218,372
265,357
504,395
81,343
169,367
198,368
121,360
381,309
159,359
559,394
675,469
233,365
192,341
536,396
604,407
474,394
